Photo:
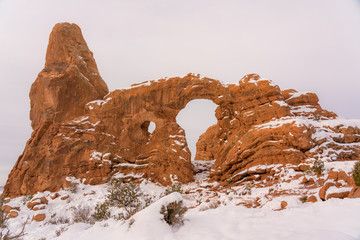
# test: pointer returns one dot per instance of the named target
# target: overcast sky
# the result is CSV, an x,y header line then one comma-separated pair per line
x,y
308,45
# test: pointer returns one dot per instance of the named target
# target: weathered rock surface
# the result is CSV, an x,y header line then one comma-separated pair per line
x,y
312,199
69,80
39,217
82,131
355,192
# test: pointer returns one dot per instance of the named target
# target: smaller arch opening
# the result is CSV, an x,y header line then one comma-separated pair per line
x,y
148,126
151,127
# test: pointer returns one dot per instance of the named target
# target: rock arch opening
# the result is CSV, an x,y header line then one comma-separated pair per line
x,y
148,126
195,119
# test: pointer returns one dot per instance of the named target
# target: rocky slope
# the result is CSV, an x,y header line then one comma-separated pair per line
x,y
262,133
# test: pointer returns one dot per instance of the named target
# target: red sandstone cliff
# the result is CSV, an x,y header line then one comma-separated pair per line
x,y
81,130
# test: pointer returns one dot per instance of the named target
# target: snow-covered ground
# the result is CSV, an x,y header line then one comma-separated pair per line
x,y
334,219
211,214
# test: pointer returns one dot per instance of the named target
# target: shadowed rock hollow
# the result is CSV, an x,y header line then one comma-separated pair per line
x,y
82,131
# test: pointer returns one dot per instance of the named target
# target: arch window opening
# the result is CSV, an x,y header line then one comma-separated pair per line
x,y
148,126
195,119
151,127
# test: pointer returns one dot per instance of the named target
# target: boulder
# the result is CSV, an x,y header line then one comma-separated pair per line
x,y
322,191
39,217
54,196
355,192
283,204
312,199
13,214
36,201
341,194
6,208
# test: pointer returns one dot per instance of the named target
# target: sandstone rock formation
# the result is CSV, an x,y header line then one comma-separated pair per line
x,y
69,80
84,132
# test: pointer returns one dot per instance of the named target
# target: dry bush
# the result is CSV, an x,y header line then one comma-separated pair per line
x,y
210,205
5,232
60,231
26,198
73,188
82,214
247,190
174,213
59,220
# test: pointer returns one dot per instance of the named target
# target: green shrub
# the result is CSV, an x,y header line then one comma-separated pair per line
x,y
121,195
173,213
356,173
303,199
124,195
228,181
318,166
101,212
176,187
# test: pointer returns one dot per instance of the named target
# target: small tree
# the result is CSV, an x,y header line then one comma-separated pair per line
x,y
356,173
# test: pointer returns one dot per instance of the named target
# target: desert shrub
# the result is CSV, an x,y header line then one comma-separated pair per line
x,y
176,187
211,205
73,188
318,166
60,231
303,199
26,198
101,212
247,190
124,195
356,173
228,181
3,215
121,195
174,213
81,214
5,232
59,220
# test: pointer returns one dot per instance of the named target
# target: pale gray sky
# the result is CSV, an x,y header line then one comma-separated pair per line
x,y
309,45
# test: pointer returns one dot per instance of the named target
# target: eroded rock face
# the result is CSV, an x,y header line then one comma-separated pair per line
x,y
81,131
69,80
